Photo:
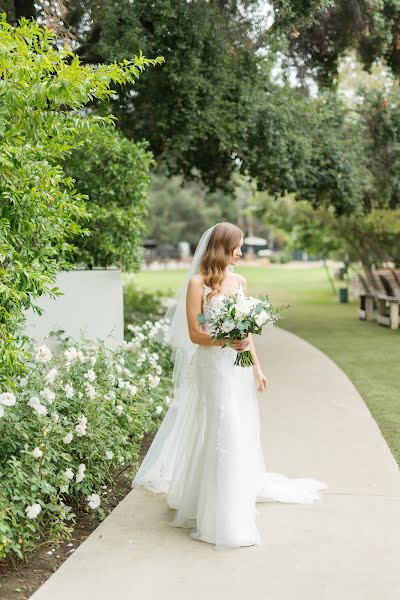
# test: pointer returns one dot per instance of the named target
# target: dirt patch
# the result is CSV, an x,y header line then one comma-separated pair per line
x,y
20,581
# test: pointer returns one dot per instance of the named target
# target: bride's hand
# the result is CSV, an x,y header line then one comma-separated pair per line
x,y
261,381
239,345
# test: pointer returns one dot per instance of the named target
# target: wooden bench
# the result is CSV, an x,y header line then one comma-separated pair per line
x,y
367,299
388,301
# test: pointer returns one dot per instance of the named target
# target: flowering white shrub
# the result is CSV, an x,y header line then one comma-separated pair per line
x,y
79,414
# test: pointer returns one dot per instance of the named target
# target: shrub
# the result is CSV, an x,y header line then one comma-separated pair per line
x,y
42,89
113,172
79,412
140,305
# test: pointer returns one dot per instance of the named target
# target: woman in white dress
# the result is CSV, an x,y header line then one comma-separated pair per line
x,y
207,455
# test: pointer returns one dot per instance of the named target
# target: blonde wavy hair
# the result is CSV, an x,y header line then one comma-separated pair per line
x,y
224,238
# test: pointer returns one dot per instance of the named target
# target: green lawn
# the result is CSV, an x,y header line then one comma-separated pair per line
x,y
367,352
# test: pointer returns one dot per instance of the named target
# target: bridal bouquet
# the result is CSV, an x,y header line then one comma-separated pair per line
x,y
234,317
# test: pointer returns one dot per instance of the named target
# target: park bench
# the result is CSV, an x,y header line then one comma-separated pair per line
x,y
388,301
367,298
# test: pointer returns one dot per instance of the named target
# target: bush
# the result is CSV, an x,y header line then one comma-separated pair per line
x,y
42,89
79,413
140,305
113,172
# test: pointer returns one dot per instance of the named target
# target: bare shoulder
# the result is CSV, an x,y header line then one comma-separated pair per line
x,y
196,282
242,279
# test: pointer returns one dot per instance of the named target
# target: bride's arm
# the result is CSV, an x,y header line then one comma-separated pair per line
x,y
194,299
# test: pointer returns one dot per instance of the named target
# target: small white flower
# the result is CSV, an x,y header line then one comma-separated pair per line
x,y
80,475
37,453
81,356
153,380
8,399
33,510
129,418
119,409
69,473
67,439
80,428
228,326
64,488
35,403
1,411
48,394
90,375
23,382
93,360
132,389
167,400
109,454
158,369
69,390
71,354
94,501
55,416
51,375
42,354
91,392
159,410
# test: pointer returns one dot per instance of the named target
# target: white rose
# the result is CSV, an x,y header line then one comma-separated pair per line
x,y
48,394
51,375
153,380
159,410
109,454
167,400
119,409
7,398
35,403
227,326
90,375
94,501
261,318
69,473
37,453
80,476
91,392
33,510
67,439
42,354
71,354
69,390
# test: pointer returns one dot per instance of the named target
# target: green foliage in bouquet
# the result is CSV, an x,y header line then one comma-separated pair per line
x,y
235,316
42,91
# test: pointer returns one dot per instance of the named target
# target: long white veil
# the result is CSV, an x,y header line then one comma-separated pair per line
x,y
157,468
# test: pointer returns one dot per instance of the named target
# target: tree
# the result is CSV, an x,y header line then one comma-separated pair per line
x,y
113,173
316,44
42,90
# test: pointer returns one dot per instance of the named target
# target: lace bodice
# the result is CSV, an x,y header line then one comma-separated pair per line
x,y
207,289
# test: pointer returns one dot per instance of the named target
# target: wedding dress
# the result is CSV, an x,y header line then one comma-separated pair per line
x,y
208,457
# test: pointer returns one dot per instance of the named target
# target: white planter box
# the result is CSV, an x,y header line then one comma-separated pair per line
x,y
91,306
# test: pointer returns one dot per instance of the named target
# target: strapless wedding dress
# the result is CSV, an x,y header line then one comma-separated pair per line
x,y
207,457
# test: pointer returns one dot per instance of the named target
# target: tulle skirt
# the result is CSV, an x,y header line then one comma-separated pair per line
x,y
207,455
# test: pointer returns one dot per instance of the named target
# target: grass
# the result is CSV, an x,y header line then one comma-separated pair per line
x,y
367,353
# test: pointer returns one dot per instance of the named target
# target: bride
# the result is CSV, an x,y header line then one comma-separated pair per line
x,y
207,455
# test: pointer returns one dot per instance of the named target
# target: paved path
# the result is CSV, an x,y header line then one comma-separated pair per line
x,y
344,547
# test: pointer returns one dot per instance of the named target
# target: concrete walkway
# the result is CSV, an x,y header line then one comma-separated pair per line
x,y
344,547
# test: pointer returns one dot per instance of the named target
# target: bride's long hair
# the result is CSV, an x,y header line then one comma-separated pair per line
x,y
224,238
